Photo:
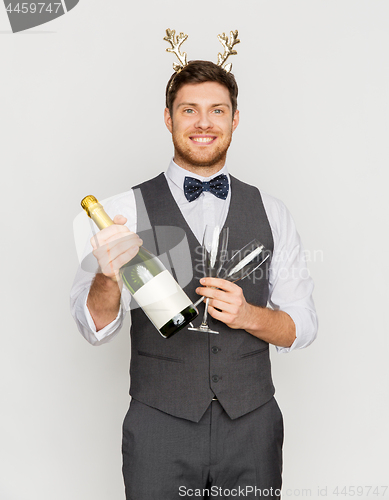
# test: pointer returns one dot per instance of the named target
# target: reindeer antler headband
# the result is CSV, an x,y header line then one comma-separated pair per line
x,y
177,41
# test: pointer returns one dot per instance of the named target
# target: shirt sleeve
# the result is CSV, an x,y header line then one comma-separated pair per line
x,y
290,284
124,205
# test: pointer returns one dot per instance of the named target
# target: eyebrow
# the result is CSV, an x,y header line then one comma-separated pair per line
x,y
194,104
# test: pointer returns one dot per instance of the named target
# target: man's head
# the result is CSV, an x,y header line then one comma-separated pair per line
x,y
201,114
199,72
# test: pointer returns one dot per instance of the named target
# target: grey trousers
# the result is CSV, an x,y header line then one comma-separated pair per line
x,y
169,458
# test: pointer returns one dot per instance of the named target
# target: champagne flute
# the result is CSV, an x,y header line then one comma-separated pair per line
x,y
244,262
214,254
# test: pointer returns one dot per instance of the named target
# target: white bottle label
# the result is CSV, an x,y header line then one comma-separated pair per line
x,y
162,298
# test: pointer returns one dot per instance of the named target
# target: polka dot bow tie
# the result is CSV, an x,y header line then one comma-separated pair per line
x,y
217,186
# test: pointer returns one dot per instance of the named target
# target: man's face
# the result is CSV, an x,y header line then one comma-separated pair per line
x,y
201,126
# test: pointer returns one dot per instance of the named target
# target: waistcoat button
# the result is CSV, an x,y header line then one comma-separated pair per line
x,y
215,350
215,378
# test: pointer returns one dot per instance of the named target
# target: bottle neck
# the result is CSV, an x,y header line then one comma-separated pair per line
x,y
99,216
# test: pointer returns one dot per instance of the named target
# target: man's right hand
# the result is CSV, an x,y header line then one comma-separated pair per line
x,y
114,246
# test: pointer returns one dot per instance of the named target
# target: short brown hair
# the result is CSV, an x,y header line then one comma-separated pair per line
x,y
199,72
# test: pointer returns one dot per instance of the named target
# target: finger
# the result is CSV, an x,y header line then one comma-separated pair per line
x,y
225,317
119,219
114,230
110,234
222,316
117,247
113,257
228,286
125,257
217,294
206,292
222,306
102,236
110,267
121,244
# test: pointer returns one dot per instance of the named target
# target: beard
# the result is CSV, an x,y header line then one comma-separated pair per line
x,y
205,156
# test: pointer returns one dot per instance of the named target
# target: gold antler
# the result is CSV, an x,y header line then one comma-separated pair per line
x,y
228,50
176,42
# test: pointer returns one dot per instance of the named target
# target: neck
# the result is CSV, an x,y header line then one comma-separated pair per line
x,y
203,170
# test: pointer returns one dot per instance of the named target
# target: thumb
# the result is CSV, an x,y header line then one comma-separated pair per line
x,y
119,219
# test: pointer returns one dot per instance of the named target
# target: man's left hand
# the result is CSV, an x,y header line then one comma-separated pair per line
x,y
227,302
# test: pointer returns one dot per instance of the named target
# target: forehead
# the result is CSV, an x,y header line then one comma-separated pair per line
x,y
203,94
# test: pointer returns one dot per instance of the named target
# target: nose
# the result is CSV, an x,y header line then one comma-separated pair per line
x,y
203,121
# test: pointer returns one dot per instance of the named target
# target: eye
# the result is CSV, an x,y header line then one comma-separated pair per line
x,y
189,110
218,111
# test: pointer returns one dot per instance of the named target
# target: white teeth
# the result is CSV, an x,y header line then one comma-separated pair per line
x,y
202,139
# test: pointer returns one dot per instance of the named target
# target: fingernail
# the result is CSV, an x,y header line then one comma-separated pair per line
x,y
202,280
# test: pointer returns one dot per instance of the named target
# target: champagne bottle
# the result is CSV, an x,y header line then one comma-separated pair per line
x,y
150,283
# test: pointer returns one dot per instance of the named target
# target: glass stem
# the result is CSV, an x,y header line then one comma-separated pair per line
x,y
205,317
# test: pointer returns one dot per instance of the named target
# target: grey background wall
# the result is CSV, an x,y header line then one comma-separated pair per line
x,y
81,111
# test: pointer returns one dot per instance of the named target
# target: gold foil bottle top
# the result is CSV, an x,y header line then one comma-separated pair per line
x,y
87,202
96,212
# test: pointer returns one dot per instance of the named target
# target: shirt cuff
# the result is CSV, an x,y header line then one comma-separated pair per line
x,y
108,329
306,328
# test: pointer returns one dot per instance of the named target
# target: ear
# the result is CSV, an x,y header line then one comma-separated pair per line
x,y
168,120
235,120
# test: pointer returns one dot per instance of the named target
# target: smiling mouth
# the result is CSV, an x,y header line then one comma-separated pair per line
x,y
203,139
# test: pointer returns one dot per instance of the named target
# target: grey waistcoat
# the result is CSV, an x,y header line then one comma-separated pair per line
x,y
180,375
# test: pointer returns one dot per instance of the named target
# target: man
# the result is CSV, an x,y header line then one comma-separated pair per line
x,y
203,420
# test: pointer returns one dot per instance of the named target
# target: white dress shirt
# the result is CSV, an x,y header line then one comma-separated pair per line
x,y
290,286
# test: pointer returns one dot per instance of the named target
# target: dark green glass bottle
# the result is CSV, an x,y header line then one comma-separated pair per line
x,y
152,286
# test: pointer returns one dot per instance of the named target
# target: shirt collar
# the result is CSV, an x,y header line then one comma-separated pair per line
x,y
177,174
